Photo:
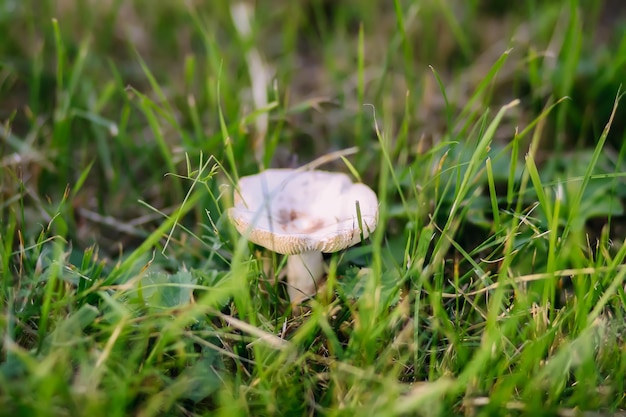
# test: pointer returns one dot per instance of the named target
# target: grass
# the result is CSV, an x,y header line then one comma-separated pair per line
x,y
493,136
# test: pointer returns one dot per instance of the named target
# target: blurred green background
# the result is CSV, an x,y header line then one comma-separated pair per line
x,y
72,88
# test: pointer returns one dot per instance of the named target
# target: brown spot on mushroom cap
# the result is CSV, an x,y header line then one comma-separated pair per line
x,y
290,211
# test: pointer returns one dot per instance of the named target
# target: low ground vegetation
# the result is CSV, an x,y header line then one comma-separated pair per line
x,y
491,134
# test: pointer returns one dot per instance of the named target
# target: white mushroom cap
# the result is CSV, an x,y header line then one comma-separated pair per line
x,y
291,211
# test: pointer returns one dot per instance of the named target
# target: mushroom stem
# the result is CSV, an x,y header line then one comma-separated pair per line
x,y
304,272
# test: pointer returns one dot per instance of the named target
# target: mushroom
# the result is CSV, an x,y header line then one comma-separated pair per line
x,y
303,214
